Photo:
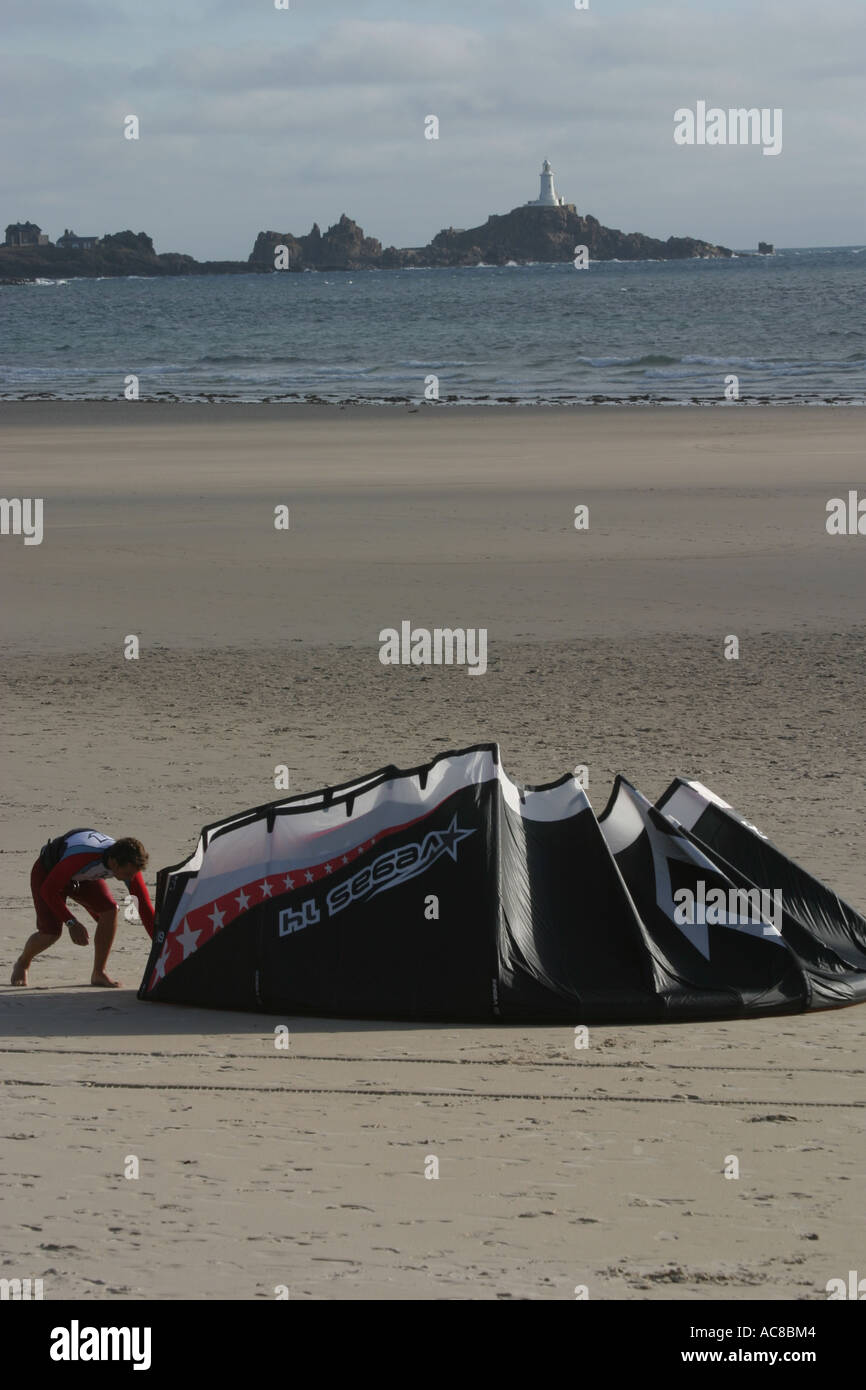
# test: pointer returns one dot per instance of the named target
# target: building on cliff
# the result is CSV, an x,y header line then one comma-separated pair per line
x,y
548,196
72,242
26,234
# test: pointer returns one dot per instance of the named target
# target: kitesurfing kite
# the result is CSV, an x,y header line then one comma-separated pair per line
x,y
448,892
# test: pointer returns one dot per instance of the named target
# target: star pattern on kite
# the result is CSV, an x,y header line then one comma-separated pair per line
x,y
451,838
187,938
201,924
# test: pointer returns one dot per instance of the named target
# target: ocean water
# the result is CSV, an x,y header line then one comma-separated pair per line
x,y
791,328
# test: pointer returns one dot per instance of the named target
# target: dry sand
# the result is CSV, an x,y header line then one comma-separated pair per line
x,y
601,1167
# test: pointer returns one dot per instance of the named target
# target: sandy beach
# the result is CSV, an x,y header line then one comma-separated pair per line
x,y
558,1167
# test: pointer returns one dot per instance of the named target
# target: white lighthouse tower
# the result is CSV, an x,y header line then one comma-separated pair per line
x,y
547,197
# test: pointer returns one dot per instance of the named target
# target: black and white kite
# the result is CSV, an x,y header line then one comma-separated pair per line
x,y
449,892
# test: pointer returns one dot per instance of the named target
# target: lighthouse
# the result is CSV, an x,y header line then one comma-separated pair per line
x,y
547,197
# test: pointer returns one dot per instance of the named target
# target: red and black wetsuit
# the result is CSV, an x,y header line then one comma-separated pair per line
x,y
73,866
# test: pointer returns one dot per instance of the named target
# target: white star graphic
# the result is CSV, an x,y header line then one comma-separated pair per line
x,y
329,868
217,917
289,881
159,972
308,876
345,858
188,938
266,889
242,901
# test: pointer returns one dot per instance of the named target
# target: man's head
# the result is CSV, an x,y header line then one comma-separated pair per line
x,y
126,858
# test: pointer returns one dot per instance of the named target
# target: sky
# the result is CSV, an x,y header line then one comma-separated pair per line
x,y
253,118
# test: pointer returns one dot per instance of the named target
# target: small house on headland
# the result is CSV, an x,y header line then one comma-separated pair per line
x,y
71,242
26,234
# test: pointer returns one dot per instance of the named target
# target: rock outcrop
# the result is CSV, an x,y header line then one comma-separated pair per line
x,y
552,234
342,247
115,255
129,241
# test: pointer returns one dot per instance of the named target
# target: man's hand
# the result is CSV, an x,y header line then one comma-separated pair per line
x,y
79,933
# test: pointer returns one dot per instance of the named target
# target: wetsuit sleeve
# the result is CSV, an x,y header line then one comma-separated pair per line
x,y
138,889
55,885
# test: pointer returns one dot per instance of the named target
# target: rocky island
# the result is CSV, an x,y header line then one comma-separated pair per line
x,y
519,237
547,230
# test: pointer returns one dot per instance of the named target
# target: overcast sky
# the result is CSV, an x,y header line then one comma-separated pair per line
x,y
256,118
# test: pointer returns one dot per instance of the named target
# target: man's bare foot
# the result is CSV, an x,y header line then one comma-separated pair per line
x,y
19,973
99,977
79,934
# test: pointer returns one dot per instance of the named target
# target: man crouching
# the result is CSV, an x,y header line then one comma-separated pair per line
x,y
76,865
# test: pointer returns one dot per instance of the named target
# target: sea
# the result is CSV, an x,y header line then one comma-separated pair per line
x,y
781,329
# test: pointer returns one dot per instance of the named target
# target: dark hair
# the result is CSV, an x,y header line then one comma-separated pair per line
x,y
129,851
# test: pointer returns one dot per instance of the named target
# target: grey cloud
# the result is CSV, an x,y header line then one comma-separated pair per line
x,y
282,131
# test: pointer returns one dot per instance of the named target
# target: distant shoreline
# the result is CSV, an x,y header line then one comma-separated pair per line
x,y
526,234
203,270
